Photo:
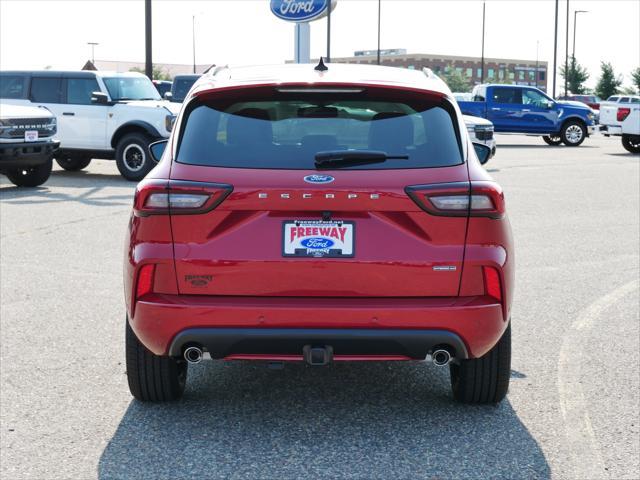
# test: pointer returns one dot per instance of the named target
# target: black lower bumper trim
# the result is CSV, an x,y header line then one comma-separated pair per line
x,y
221,342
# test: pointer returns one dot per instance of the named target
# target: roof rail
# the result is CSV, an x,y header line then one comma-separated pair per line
x,y
219,69
428,72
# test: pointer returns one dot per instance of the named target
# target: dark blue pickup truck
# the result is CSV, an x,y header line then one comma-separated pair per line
x,y
520,109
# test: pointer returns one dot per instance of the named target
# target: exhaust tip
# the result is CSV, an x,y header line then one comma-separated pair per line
x,y
193,354
441,358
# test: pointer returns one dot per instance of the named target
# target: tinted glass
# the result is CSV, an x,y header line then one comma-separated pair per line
x,y
79,90
507,95
634,100
131,88
287,134
536,99
46,90
181,87
12,86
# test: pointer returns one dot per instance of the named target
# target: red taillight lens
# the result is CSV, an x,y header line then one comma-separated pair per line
x,y
163,197
476,199
623,113
145,280
492,285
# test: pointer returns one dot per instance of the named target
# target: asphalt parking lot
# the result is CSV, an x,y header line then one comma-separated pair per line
x,y
573,411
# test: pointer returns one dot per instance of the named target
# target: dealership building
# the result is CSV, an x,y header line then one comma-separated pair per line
x,y
497,70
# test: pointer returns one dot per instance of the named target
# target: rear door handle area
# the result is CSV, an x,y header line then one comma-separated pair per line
x,y
495,109
68,114
526,110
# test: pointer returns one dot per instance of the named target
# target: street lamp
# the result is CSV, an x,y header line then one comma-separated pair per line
x,y
482,59
193,39
537,49
93,45
379,7
575,13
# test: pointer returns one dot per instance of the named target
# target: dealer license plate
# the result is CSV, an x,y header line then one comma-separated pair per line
x,y
318,239
31,136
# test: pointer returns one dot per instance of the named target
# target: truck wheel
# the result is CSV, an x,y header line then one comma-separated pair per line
x,y
573,133
32,176
553,140
631,143
133,158
73,164
484,379
153,378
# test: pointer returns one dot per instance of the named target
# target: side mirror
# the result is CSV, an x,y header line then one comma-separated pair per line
x,y
168,96
99,98
482,152
550,105
157,149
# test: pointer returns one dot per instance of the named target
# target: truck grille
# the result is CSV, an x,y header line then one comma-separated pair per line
x,y
15,127
484,134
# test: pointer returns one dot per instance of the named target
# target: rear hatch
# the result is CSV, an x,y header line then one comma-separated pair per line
x,y
284,225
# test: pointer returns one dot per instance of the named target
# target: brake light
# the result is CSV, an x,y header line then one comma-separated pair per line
x,y
460,199
492,285
623,112
175,197
145,280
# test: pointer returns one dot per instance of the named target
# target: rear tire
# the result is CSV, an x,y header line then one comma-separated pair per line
x,y
73,164
573,133
153,378
133,158
486,379
32,176
553,140
631,143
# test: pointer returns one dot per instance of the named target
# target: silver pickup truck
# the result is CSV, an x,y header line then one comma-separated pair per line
x,y
27,144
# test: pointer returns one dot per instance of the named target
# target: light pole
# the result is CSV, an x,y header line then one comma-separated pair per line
x,y
575,13
566,54
93,45
482,59
148,61
329,32
537,49
193,38
379,7
555,51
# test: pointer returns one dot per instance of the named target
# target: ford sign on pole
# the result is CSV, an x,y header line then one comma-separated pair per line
x,y
300,10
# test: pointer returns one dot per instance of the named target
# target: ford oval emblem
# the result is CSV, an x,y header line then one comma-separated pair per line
x,y
317,243
299,10
319,179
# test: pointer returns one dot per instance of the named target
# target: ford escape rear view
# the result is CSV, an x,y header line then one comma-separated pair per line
x,y
303,214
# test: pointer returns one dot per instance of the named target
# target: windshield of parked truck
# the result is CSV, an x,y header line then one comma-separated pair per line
x,y
131,88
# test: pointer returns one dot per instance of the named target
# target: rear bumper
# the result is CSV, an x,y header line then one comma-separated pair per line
x,y
611,129
227,326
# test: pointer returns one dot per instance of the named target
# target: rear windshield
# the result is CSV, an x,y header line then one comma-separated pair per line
x,y
287,133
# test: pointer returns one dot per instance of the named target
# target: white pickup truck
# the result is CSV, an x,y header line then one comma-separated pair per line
x,y
622,119
100,115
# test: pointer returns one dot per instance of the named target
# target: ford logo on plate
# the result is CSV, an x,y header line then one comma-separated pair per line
x,y
299,10
319,179
317,242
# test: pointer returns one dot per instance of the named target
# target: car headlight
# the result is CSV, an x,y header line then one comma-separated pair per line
x,y
169,121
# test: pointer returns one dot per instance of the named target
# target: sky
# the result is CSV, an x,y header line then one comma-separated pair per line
x,y
36,34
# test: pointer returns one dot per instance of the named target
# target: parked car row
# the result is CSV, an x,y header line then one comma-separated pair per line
x,y
99,115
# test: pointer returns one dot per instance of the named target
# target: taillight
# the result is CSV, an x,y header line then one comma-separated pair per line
x,y
492,286
176,197
144,285
623,112
460,199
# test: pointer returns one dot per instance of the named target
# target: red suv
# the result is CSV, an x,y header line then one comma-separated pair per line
x,y
319,215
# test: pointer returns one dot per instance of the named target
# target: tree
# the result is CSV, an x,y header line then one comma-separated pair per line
x,y
635,78
608,83
576,77
157,73
455,80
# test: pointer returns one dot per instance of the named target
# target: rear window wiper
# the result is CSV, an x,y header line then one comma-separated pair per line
x,y
351,158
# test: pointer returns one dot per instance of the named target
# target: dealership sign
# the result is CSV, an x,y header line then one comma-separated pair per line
x,y
300,10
